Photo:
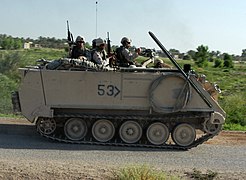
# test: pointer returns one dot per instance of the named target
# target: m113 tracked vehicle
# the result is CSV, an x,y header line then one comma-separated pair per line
x,y
76,101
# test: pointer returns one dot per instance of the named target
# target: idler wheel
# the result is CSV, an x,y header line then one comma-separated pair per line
x,y
130,132
75,129
210,128
157,133
184,134
103,130
46,125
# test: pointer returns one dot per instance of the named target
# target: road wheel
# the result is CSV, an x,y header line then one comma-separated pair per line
x,y
103,130
130,132
184,134
75,129
157,133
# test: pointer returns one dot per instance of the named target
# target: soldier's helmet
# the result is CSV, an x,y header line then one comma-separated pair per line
x,y
80,39
125,40
99,41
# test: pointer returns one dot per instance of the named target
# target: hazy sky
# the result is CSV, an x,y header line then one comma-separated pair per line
x,y
179,24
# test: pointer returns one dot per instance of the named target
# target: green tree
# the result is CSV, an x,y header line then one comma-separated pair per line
x,y
228,61
8,42
18,43
218,62
187,57
9,65
201,56
244,53
174,52
7,86
243,58
87,45
191,53
214,55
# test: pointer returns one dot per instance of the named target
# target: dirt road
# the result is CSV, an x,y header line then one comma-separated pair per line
x,y
26,155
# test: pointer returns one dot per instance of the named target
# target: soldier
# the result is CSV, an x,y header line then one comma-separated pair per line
x,y
79,51
98,53
124,57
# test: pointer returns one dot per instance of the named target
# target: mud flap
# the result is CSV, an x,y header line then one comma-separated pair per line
x,y
16,102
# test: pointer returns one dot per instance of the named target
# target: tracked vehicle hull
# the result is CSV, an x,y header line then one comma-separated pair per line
x,y
137,107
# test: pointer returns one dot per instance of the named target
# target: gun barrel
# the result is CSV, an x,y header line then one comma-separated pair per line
x,y
69,34
108,44
67,25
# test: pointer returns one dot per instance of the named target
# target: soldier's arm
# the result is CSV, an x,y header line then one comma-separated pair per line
x,y
97,58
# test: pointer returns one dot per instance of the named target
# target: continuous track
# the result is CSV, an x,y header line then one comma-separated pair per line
x,y
171,120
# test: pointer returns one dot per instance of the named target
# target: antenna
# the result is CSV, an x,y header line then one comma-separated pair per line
x,y
96,19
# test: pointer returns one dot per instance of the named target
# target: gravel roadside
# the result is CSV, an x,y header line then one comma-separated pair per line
x,y
48,160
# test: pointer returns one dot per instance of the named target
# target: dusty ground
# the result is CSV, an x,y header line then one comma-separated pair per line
x,y
229,138
34,170
30,169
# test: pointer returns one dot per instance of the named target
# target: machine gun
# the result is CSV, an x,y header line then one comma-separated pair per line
x,y
108,46
110,54
69,39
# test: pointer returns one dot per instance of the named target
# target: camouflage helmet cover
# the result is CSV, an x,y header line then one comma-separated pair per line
x,y
80,38
99,41
125,39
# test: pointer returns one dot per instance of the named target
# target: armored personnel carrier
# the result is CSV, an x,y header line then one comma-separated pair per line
x,y
76,101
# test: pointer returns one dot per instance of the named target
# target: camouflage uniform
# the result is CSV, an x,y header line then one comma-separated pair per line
x,y
123,55
80,51
99,55
128,55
